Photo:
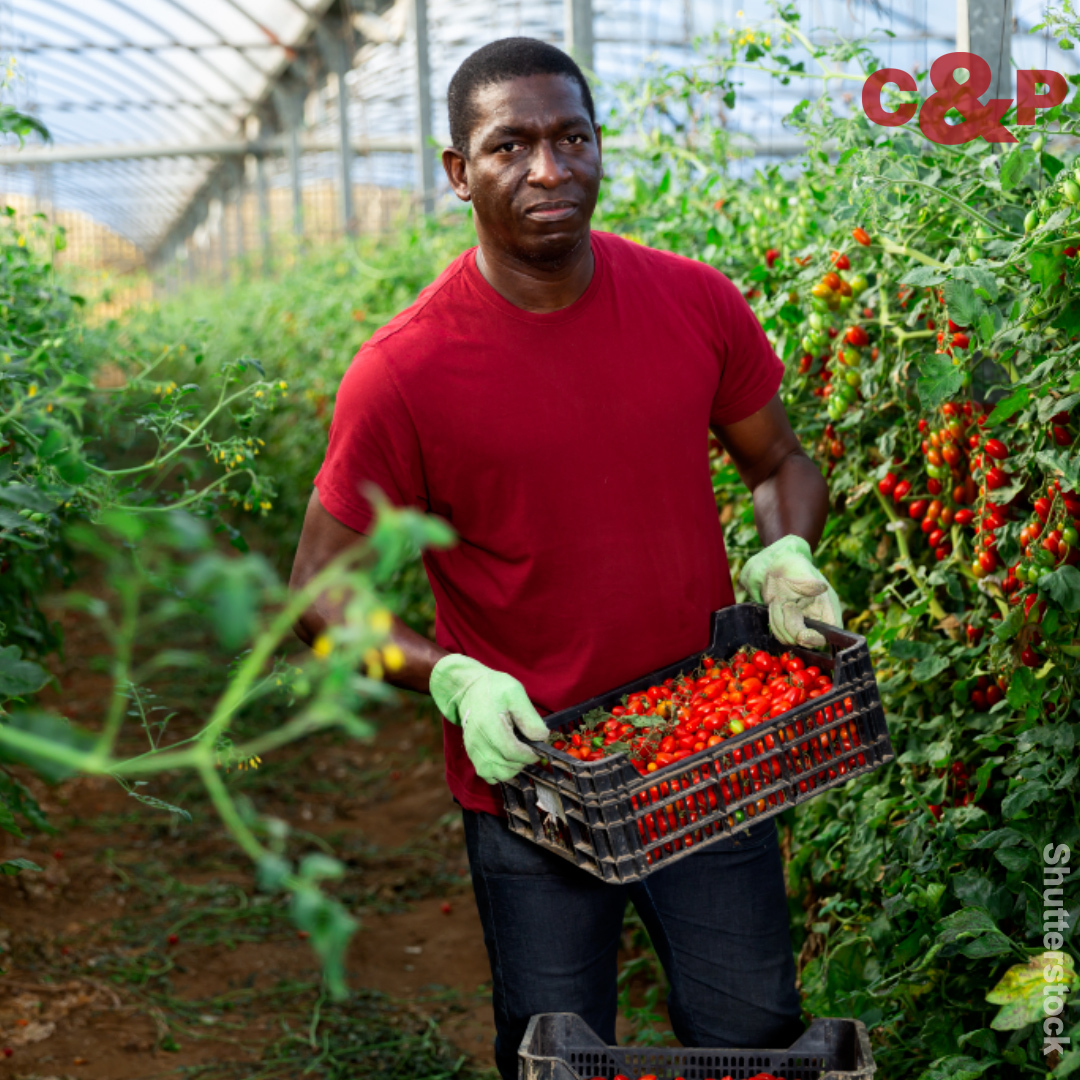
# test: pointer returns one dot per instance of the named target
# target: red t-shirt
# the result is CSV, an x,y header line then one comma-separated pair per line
x,y
569,451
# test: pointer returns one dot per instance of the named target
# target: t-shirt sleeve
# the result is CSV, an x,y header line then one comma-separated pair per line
x,y
372,441
750,370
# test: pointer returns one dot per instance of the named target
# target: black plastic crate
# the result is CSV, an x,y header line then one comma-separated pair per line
x,y
619,825
561,1046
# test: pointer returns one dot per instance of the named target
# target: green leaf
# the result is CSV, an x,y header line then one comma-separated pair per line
x,y
1008,628
1013,859
957,1067
1068,319
791,314
1019,992
939,379
964,306
1015,167
902,649
974,931
922,276
1021,689
160,804
1063,587
1009,406
13,866
929,669
1022,797
1045,268
980,278
1048,406
27,497
330,928
19,677
1058,463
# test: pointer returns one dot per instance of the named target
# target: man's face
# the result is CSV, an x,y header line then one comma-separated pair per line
x,y
533,170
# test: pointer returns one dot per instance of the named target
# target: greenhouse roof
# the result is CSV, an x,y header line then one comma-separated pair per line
x,y
145,99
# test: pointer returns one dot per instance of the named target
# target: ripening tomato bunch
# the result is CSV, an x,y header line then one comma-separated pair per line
x,y
834,293
958,780
670,721
1049,539
949,452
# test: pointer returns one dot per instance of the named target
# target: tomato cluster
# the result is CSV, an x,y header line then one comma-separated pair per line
x,y
833,293
958,780
662,725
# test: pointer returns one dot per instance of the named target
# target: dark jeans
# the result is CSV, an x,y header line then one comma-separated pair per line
x,y
718,920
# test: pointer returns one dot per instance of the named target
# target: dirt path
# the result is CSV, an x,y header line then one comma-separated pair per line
x,y
145,950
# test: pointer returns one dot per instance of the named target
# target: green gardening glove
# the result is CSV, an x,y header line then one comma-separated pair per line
x,y
488,705
784,577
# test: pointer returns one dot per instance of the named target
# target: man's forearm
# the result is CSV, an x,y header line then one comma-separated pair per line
x,y
792,500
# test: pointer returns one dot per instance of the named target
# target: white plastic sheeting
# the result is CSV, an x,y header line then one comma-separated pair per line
x,y
192,71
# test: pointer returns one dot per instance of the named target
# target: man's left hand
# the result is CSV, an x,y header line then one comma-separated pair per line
x,y
784,577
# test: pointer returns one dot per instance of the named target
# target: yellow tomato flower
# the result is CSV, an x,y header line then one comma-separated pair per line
x,y
31,390
381,621
373,663
393,657
322,647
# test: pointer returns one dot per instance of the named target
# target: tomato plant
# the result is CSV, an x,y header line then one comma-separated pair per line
x,y
925,301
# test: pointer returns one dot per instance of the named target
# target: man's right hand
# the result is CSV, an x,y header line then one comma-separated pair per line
x,y
489,706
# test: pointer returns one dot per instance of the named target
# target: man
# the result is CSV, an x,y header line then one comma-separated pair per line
x,y
550,396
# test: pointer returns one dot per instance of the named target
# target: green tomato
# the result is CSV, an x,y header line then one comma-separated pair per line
x,y
1020,573
858,284
1031,219
1034,572
835,408
846,393
1044,557
1076,174
1069,535
849,356
807,344
845,302
853,378
1071,191
817,320
1039,143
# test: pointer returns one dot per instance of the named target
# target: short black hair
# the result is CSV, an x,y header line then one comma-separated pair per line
x,y
498,61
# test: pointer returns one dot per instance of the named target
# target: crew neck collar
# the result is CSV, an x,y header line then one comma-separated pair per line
x,y
548,318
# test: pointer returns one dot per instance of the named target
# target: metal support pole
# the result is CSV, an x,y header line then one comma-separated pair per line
x,y
263,196
294,176
335,47
578,31
290,106
984,27
223,247
241,241
424,150
345,156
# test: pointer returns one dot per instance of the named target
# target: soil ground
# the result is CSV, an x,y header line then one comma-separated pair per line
x,y
145,950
